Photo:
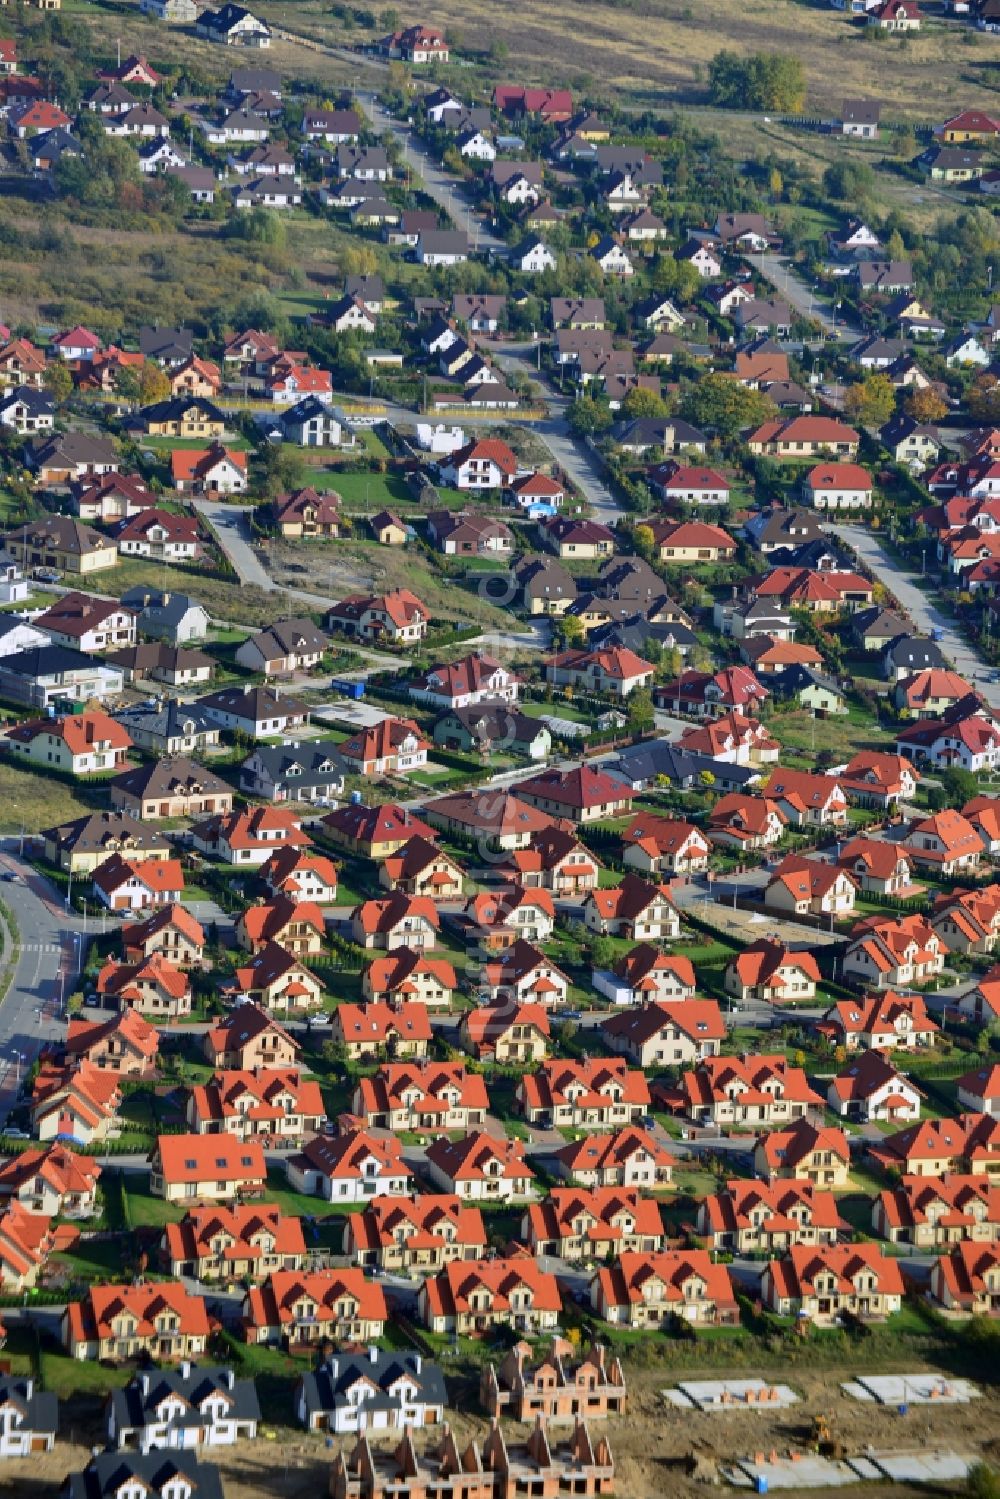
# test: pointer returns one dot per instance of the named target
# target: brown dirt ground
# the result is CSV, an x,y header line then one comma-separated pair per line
x,y
651,1444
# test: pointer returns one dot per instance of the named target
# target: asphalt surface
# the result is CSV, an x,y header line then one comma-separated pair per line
x,y
801,297
911,591
438,183
47,966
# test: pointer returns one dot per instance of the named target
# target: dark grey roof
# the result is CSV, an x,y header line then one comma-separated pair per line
x,y
545,577
497,722
289,637
173,409
877,621
49,661
253,703
137,1404
41,1409
168,720
166,343
779,527
38,402
328,1387
99,829
656,757
108,1472
159,608
914,654
311,763
815,554
795,679
651,432
637,631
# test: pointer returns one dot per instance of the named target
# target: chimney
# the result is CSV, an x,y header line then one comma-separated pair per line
x,y
185,1370
373,1354
229,1379
418,1363
144,1383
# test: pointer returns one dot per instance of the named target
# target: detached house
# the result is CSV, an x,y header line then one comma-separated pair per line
x,y
210,1168
661,1033
821,1284
414,1235
471,1300
401,920
290,645
277,979
480,1168
806,799
373,1030
114,1323
393,746
945,843
634,909
582,795
599,1093
803,886
650,1290
871,1089
300,1309
804,1152
398,616
628,1158
349,1168
889,952
249,1038
664,845
769,971
603,1223
887,1022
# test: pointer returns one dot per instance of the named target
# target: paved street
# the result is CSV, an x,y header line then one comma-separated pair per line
x,y
911,591
48,962
438,183
580,462
800,296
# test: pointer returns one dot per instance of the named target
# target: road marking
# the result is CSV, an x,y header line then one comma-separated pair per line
x,y
39,947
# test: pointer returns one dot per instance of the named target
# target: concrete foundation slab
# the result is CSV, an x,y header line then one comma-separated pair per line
x,y
925,1467
911,1389
730,1394
804,1471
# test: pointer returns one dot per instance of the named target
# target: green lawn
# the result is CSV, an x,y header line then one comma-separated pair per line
x,y
539,709
143,1210
298,1204
67,1377
371,492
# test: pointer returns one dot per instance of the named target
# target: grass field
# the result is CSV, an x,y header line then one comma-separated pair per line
x,y
35,802
223,598
655,51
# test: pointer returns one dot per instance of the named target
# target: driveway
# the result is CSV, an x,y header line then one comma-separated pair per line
x,y
232,527
911,591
